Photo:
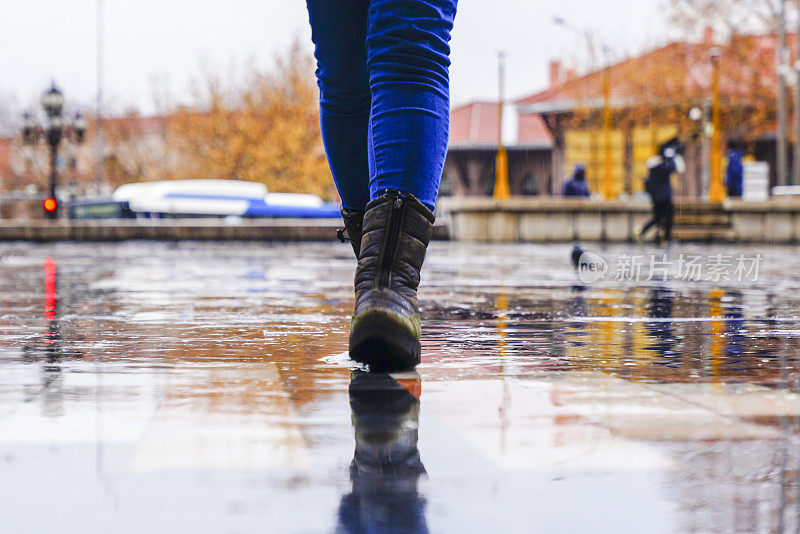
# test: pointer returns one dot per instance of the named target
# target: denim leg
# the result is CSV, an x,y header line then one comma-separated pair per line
x,y
338,30
408,62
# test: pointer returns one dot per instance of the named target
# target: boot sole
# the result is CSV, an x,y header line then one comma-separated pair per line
x,y
376,343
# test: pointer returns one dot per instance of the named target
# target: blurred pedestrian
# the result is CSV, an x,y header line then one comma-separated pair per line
x,y
577,186
659,186
734,176
383,75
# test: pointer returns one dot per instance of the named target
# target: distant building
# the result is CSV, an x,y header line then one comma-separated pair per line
x,y
650,98
134,148
470,165
6,147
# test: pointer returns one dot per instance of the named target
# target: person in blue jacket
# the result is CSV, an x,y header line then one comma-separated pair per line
x,y
577,186
734,177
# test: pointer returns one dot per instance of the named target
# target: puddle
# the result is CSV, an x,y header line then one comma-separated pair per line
x,y
207,387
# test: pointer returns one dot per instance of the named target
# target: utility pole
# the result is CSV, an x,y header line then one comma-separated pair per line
x,y
782,60
796,167
502,190
99,141
608,162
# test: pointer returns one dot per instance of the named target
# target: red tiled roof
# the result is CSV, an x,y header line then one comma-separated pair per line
x,y
680,69
476,124
531,129
591,85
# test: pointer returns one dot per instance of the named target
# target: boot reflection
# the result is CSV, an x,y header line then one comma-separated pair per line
x,y
386,465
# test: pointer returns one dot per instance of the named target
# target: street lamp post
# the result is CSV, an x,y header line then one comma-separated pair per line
x,y
782,58
54,131
53,104
699,116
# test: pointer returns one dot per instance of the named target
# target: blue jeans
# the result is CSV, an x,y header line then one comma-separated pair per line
x,y
383,74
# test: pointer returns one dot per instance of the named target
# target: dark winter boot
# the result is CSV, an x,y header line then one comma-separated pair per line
x,y
353,220
386,328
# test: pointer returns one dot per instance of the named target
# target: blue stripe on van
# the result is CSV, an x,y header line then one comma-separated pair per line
x,y
259,208
262,209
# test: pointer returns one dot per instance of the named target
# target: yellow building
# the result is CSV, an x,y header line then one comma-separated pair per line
x,y
629,154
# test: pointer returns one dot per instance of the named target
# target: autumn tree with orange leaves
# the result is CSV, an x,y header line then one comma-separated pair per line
x,y
264,129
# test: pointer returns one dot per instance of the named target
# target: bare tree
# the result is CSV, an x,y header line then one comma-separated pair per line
x,y
727,17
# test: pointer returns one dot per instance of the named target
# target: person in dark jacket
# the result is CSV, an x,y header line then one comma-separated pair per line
x,y
659,187
577,186
734,177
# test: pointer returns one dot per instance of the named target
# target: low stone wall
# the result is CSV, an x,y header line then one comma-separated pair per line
x,y
774,221
167,230
536,220
178,230
543,220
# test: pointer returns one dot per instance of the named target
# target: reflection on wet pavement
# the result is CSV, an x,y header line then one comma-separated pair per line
x,y
207,388
386,464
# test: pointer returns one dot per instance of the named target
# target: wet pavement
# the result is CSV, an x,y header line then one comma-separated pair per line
x,y
206,388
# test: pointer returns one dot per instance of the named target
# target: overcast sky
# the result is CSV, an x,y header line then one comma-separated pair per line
x,y
164,43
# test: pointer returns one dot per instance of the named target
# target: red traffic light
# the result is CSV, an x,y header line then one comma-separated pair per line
x,y
50,205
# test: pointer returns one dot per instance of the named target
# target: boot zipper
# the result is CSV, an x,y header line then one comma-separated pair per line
x,y
392,237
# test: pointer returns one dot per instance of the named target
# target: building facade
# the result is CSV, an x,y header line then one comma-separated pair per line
x,y
474,138
618,116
